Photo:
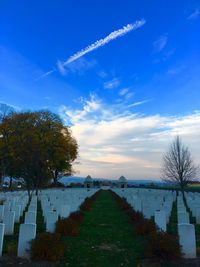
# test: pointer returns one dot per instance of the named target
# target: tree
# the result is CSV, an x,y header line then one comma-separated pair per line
x,y
5,111
178,165
38,146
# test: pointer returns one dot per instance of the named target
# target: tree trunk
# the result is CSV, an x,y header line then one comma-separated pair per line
x,y
183,190
55,177
29,192
11,182
1,178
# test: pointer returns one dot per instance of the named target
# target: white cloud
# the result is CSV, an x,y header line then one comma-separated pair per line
x,y
160,43
102,74
138,103
194,15
176,70
112,36
123,91
45,74
114,83
79,66
115,141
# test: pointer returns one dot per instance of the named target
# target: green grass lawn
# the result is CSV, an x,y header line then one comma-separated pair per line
x,y
106,238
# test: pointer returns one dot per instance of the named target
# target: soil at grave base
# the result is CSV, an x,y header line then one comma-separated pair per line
x,y
178,263
12,261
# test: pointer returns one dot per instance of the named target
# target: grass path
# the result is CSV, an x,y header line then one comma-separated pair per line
x,y
106,238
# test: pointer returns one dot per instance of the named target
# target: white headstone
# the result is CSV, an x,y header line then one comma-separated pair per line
x,y
1,212
17,210
187,239
2,228
30,217
183,217
27,233
64,211
160,219
9,220
52,217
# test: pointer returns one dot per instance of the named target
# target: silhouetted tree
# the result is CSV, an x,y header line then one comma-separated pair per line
x,y
39,147
5,111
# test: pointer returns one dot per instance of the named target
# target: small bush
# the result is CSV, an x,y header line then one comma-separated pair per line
x,y
67,227
77,216
47,247
86,205
136,216
12,248
163,246
145,227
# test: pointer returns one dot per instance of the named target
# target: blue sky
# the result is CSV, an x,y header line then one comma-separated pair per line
x,y
124,100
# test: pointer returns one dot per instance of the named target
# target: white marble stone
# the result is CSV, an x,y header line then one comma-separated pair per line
x,y
183,217
9,220
17,210
2,229
52,217
30,217
27,233
1,212
160,219
187,240
64,211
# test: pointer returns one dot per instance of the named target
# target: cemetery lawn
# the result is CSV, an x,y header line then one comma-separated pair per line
x,y
106,238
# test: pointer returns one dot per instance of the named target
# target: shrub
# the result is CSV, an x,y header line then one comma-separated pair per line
x,y
77,216
163,246
136,216
145,227
47,247
67,227
86,205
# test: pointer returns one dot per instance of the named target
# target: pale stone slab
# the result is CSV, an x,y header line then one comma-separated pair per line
x,y
30,217
27,233
9,221
1,212
17,210
160,219
64,211
52,217
187,239
183,217
2,229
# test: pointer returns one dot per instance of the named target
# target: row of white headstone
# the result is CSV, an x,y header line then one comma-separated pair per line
x,y
158,204
55,203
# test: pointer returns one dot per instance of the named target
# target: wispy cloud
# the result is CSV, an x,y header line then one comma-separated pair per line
x,y
112,36
138,103
114,142
114,83
102,74
79,66
176,70
123,91
159,44
194,15
45,74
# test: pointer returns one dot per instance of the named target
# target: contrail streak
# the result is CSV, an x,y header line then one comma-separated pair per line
x,y
112,36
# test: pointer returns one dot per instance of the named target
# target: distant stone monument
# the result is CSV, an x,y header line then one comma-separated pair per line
x,y
88,183
122,182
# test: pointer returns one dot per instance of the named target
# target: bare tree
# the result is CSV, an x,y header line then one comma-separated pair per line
x,y
178,165
5,110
